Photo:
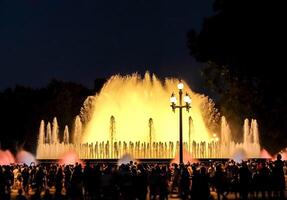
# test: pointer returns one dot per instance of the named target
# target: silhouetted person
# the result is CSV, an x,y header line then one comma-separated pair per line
x,y
52,176
141,182
184,182
39,178
195,189
211,174
126,183
204,184
9,179
59,181
279,179
244,181
20,195
163,187
37,195
67,180
96,176
77,183
219,181
47,195
88,180
107,184
25,177
175,181
264,181
2,183
154,182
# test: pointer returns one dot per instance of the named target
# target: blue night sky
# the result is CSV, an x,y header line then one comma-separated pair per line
x,y
83,40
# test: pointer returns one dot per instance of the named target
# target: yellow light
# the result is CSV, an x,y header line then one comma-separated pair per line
x,y
173,99
187,99
133,100
180,86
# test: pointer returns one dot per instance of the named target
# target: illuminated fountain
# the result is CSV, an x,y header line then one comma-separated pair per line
x,y
25,157
131,115
6,157
22,156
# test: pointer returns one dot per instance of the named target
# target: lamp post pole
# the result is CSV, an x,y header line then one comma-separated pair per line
x,y
180,128
173,105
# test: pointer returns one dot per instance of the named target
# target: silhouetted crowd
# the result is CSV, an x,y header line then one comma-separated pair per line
x,y
252,179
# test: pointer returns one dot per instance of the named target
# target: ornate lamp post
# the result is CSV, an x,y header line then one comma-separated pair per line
x,y
173,105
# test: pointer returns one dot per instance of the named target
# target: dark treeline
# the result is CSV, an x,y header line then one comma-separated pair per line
x,y
243,44
22,108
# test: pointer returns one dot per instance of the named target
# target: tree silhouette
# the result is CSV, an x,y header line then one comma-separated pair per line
x,y
22,109
243,46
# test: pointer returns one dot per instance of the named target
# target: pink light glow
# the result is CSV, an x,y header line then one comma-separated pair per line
x,y
70,158
265,154
6,158
187,157
25,157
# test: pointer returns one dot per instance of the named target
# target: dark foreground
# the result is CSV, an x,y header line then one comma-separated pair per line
x,y
204,180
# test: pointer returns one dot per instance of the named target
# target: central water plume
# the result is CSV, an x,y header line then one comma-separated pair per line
x,y
133,101
132,116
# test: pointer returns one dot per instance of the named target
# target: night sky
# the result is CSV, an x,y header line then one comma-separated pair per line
x,y
83,40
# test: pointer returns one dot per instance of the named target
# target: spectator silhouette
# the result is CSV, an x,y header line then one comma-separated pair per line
x,y
96,176
47,195
59,181
203,184
163,188
154,183
20,195
175,179
264,181
244,180
279,179
107,183
219,181
67,179
2,184
184,182
77,183
36,195
25,177
195,189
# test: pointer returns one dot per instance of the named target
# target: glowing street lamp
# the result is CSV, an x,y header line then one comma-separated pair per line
x,y
215,137
187,101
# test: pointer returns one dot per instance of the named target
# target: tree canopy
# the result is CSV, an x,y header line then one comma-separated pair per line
x,y
243,46
22,109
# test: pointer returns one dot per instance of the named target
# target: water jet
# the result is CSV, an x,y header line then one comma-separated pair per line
x,y
131,115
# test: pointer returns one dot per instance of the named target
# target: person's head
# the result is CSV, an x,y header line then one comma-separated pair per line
x,y
279,156
244,164
218,167
203,170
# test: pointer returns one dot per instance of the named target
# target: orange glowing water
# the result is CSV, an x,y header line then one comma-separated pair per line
x,y
132,101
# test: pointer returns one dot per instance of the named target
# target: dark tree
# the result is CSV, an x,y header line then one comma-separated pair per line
x,y
22,109
243,45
